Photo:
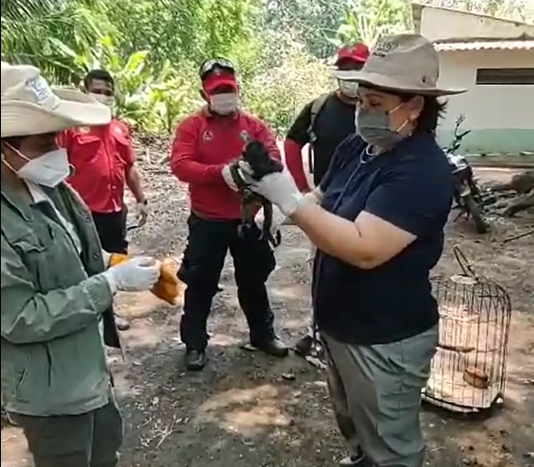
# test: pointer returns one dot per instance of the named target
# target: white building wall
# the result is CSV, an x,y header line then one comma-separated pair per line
x,y
442,24
495,107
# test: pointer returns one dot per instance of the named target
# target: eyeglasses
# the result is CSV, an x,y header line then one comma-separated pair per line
x,y
210,65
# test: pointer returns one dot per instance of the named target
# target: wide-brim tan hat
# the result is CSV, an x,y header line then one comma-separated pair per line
x,y
407,63
31,107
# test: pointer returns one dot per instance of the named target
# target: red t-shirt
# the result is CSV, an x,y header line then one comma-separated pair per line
x,y
204,143
100,157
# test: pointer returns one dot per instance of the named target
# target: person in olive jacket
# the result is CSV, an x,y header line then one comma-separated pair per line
x,y
56,291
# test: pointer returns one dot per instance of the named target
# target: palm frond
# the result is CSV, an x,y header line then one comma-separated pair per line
x,y
49,34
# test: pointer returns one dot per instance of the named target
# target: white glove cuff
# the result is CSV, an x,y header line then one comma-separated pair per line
x,y
292,203
279,217
111,281
106,257
227,177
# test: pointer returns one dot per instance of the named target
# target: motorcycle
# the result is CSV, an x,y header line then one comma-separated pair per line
x,y
468,195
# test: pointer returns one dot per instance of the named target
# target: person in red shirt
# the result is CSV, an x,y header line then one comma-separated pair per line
x,y
205,145
324,123
103,162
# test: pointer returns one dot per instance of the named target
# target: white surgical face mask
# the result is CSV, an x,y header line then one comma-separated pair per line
x,y
224,104
103,99
48,170
349,88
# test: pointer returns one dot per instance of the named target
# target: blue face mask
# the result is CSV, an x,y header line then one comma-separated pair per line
x,y
373,127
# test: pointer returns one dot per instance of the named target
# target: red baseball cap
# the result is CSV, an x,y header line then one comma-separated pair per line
x,y
358,53
219,79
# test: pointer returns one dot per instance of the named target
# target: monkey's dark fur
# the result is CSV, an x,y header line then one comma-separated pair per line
x,y
262,164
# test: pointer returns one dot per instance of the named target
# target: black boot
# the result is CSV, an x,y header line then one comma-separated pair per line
x,y
272,346
195,360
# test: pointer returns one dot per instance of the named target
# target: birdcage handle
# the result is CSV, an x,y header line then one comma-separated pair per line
x,y
463,262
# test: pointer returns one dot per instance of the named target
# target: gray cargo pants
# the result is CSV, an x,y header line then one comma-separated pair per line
x,y
87,440
376,394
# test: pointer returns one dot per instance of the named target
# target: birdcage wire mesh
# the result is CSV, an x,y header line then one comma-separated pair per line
x,y
468,372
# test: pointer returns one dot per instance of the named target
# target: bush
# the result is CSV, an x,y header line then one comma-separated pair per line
x,y
154,51
274,84
278,92
155,102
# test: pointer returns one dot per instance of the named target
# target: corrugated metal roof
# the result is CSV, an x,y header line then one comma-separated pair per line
x,y
485,45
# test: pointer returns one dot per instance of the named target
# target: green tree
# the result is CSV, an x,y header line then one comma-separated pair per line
x,y
179,30
312,22
367,20
49,33
153,47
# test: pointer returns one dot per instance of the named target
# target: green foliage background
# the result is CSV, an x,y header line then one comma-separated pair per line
x,y
153,47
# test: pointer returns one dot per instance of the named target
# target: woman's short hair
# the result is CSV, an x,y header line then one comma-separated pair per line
x,y
433,110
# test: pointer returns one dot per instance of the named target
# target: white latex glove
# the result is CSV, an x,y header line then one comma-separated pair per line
x,y
142,213
279,188
134,274
227,177
106,257
278,220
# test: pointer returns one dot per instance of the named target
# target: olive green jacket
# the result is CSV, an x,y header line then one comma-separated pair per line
x,y
53,299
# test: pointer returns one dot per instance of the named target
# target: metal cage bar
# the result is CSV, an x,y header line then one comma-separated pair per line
x,y
469,369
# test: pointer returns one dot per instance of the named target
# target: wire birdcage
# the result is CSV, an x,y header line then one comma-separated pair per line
x,y
469,369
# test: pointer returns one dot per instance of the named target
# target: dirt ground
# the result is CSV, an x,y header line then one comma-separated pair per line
x,y
246,410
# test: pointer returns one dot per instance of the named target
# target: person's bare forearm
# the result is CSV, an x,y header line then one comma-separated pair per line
x,y
133,180
332,234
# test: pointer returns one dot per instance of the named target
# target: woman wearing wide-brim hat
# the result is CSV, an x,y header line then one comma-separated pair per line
x,y
377,220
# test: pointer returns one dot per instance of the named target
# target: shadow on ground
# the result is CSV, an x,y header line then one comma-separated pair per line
x,y
246,410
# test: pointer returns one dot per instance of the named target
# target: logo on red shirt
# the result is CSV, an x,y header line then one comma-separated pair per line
x,y
207,135
245,137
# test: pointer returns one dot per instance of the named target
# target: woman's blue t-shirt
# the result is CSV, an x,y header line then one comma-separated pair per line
x,y
410,187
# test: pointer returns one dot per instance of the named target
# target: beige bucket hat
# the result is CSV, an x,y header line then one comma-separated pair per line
x,y
403,62
31,107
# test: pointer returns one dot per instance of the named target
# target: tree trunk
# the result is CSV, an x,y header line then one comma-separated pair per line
x,y
519,204
521,183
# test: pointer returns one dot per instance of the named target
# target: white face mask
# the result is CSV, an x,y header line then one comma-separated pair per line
x,y
349,88
224,104
103,99
48,170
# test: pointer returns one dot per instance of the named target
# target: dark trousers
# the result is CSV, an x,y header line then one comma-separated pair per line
x,y
111,228
87,440
207,245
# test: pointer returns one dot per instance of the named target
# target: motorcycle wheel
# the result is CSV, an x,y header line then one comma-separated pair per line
x,y
475,211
